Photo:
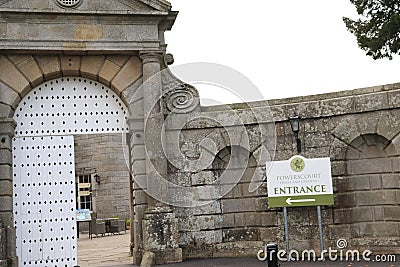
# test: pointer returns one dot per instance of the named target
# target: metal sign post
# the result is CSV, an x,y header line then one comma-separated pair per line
x,y
286,233
321,236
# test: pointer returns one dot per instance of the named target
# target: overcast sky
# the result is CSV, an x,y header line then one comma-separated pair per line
x,y
286,48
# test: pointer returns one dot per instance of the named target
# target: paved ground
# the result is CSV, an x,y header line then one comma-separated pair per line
x,y
114,251
110,250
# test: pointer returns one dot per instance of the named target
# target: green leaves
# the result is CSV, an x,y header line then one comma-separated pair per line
x,y
378,28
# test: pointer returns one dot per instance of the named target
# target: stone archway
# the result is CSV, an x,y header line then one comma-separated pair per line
x,y
43,170
117,43
372,181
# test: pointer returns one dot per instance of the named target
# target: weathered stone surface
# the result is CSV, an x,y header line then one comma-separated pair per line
x,y
370,102
347,130
367,123
370,198
362,214
8,96
342,216
70,65
119,60
88,32
139,167
230,205
391,181
12,77
378,213
11,244
6,172
6,203
238,249
234,235
6,111
29,68
339,230
394,98
108,72
203,178
129,73
213,207
338,106
5,156
6,187
3,252
379,230
49,65
160,235
392,213
91,65
148,260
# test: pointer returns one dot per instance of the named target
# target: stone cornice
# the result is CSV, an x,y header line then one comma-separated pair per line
x,y
83,12
133,5
72,31
76,47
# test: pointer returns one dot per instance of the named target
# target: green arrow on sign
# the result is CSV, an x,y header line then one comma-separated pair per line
x,y
289,201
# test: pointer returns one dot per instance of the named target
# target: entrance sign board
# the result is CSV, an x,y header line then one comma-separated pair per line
x,y
299,182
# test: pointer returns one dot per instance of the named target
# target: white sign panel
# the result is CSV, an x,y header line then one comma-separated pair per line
x,y
299,182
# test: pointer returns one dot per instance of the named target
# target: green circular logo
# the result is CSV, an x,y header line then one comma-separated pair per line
x,y
297,164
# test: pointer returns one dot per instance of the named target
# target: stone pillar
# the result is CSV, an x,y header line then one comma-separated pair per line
x,y
138,163
156,163
7,230
156,227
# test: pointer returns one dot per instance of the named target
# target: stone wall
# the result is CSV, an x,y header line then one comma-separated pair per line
x,y
103,154
122,46
359,131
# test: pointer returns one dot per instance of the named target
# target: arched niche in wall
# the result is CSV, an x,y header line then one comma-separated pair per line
x,y
368,197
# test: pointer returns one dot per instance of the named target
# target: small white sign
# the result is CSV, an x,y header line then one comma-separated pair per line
x,y
83,215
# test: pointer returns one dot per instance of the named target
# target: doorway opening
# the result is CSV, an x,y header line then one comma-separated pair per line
x,y
60,124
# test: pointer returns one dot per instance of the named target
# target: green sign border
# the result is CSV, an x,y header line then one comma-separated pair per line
x,y
320,200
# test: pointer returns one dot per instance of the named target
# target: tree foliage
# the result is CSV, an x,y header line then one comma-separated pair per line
x,y
377,28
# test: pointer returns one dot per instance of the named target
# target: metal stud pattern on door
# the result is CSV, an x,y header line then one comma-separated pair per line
x,y
44,201
43,151
70,105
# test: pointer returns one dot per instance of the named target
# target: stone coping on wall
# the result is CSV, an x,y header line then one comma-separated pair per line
x,y
314,106
325,96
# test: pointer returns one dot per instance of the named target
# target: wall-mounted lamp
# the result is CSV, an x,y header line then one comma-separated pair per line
x,y
97,178
295,125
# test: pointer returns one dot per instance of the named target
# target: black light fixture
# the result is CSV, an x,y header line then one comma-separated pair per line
x,y
97,178
295,125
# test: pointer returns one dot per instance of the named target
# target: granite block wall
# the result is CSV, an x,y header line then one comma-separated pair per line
x,y
358,130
